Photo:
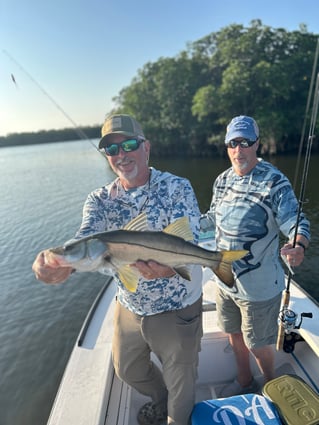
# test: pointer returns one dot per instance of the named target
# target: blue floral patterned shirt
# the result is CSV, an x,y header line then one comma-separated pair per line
x,y
164,199
249,213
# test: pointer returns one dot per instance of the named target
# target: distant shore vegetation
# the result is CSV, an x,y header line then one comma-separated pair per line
x,y
185,102
51,136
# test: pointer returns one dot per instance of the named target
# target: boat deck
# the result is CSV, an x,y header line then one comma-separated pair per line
x,y
90,393
217,366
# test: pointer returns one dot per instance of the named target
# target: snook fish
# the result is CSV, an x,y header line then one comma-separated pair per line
x,y
118,250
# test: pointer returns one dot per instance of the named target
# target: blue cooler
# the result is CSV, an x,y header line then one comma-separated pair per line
x,y
248,409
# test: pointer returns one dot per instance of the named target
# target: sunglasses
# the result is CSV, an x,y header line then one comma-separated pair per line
x,y
129,145
244,143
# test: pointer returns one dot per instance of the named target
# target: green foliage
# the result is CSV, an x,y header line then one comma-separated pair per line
x,y
184,103
160,97
50,136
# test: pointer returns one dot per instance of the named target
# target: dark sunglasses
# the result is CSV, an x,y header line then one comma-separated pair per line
x,y
244,143
129,145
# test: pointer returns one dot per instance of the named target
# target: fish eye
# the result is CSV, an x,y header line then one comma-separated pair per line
x,y
75,249
95,248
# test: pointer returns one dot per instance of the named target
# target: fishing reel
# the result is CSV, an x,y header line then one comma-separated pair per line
x,y
287,319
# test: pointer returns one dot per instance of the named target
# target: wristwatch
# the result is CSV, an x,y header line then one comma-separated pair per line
x,y
302,245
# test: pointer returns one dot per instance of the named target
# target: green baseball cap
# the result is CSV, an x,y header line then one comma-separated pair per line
x,y
120,124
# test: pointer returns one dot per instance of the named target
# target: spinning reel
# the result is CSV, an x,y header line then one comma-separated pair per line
x,y
287,319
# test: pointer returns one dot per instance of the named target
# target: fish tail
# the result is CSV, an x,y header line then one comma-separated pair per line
x,y
224,269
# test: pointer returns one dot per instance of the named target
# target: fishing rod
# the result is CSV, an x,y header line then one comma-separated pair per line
x,y
77,129
313,76
287,318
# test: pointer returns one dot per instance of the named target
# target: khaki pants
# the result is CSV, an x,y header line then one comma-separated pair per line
x,y
174,337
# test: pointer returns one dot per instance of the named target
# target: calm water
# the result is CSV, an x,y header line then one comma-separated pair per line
x,y
42,192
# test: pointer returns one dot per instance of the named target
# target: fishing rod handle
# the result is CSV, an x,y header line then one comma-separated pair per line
x,y
281,327
280,337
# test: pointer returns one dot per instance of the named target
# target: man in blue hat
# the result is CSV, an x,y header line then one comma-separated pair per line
x,y
252,203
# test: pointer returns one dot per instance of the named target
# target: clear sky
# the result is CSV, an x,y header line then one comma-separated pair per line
x,y
81,53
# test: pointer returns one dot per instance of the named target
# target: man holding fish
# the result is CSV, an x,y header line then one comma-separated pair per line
x,y
158,300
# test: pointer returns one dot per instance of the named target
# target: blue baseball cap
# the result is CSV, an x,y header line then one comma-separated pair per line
x,y
242,126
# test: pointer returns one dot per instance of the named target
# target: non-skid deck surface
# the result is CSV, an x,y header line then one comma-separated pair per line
x,y
205,391
210,390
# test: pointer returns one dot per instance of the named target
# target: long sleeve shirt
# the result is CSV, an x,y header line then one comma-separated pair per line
x,y
249,213
164,199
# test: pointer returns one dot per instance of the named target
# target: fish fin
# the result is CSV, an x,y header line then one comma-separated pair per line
x,y
224,269
184,272
180,228
138,223
234,255
129,277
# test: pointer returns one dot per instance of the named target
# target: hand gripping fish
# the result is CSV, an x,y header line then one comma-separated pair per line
x,y
117,250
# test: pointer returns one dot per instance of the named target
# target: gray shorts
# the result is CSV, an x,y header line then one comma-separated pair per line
x,y
256,320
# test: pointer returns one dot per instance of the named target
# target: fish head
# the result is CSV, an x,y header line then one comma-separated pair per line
x,y
82,255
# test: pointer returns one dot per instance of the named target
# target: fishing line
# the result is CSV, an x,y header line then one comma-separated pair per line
x,y
77,129
305,372
311,137
286,293
313,76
